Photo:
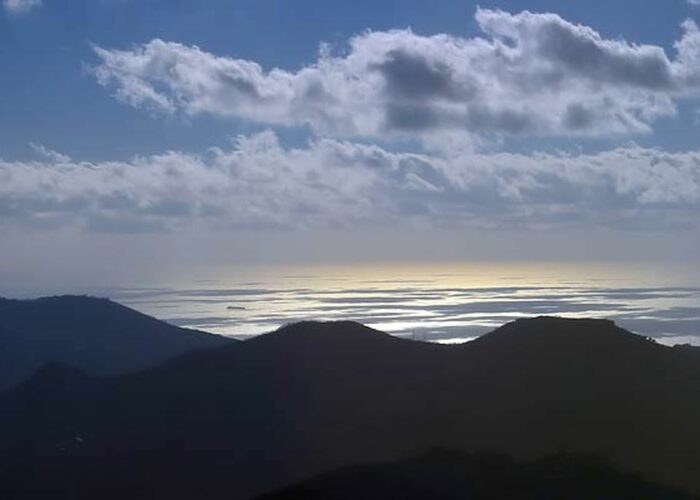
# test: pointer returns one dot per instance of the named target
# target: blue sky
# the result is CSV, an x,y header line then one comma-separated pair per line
x,y
48,98
320,130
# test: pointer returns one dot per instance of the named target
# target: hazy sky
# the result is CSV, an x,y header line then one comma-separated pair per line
x,y
138,137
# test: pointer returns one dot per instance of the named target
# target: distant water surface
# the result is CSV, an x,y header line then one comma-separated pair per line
x,y
440,302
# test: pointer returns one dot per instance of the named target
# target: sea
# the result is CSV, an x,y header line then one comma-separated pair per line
x,y
435,302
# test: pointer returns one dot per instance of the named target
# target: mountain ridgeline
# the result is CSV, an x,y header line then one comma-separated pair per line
x,y
250,417
454,475
95,335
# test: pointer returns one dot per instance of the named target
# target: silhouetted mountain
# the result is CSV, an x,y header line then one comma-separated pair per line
x,y
96,335
452,475
313,397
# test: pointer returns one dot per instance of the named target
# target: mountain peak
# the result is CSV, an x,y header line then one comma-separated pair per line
x,y
97,335
563,321
340,337
559,326
63,307
561,335
57,299
324,330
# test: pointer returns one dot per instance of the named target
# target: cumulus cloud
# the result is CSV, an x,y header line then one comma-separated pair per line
x,y
20,6
48,154
330,183
529,74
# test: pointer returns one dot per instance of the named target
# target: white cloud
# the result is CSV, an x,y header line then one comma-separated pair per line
x,y
260,184
531,74
20,6
48,154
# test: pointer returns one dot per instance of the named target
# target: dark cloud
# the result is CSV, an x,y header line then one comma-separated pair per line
x,y
414,77
412,117
583,52
578,117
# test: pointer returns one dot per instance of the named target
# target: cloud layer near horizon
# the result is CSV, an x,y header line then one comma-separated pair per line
x,y
530,74
329,183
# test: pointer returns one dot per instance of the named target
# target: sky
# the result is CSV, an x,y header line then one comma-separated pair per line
x,y
146,137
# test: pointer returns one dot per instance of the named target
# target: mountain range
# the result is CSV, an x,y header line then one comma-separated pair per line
x,y
454,475
248,418
95,335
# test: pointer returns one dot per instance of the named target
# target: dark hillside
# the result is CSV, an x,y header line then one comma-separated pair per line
x,y
95,335
237,421
448,475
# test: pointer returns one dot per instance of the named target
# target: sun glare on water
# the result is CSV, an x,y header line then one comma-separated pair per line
x,y
445,302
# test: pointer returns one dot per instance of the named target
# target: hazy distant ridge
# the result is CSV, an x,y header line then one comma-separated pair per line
x,y
96,335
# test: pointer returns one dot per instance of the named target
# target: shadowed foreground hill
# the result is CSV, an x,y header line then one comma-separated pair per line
x,y
313,397
448,475
96,335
